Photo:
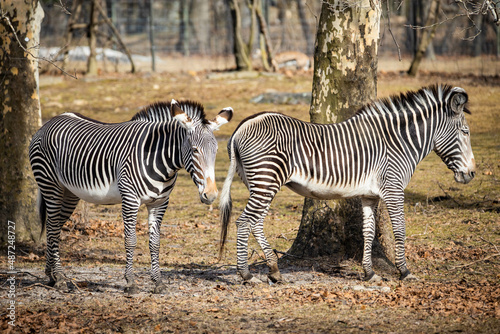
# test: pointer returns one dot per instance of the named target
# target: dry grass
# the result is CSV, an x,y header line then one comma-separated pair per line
x,y
452,232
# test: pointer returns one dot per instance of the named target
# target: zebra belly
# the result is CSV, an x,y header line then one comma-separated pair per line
x,y
312,189
108,194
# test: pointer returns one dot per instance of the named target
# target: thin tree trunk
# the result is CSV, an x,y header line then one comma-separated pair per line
x,y
252,6
241,54
498,40
305,25
427,36
478,40
151,36
19,116
265,33
345,78
68,35
185,27
116,33
201,14
92,34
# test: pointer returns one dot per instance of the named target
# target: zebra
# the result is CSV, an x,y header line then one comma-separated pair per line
x,y
136,162
371,155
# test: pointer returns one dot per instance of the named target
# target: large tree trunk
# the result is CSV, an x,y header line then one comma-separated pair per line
x,y
345,78
19,115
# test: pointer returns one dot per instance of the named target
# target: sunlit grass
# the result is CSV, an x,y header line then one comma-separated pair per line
x,y
190,231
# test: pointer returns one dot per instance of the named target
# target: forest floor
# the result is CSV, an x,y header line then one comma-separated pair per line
x,y
453,233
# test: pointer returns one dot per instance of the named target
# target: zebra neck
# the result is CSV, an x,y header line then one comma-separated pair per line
x,y
407,133
161,151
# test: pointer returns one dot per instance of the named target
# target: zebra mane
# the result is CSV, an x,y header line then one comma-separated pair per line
x,y
160,112
398,103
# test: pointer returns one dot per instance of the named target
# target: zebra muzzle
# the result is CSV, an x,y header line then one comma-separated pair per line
x,y
464,178
209,193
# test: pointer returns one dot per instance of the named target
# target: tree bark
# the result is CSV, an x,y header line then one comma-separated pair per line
x,y
345,78
19,115
241,54
427,36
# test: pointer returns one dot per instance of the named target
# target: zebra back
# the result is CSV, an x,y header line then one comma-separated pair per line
x,y
407,101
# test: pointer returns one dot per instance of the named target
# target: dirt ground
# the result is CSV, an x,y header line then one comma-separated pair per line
x,y
453,235
317,297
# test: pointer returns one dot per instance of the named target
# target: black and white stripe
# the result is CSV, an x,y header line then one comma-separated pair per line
x,y
372,155
136,162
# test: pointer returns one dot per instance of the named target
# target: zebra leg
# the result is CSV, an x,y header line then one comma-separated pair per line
x,y
59,209
252,220
130,207
369,205
396,213
242,234
155,218
271,258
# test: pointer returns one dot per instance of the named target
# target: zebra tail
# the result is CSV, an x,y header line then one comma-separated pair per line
x,y
42,211
226,203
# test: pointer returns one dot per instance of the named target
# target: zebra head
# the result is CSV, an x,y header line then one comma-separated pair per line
x,y
453,144
200,148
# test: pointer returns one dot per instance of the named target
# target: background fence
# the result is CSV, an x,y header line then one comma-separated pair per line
x,y
204,27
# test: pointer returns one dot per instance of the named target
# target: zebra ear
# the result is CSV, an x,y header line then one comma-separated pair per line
x,y
180,115
223,117
458,100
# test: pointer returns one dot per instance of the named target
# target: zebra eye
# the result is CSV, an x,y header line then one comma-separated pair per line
x,y
195,150
465,131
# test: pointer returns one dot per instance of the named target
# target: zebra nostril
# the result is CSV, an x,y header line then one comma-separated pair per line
x,y
472,174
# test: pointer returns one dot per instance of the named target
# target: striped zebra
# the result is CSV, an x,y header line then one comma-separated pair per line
x,y
133,163
372,155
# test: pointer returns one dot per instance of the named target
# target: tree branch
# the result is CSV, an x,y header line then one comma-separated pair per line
x,y
390,29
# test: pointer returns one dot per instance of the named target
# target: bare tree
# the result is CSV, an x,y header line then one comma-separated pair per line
x,y
240,49
473,10
96,12
92,34
427,36
243,51
267,59
19,115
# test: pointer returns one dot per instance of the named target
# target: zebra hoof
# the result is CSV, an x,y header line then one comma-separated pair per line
x,y
370,276
252,281
63,285
375,279
275,277
409,277
160,289
131,290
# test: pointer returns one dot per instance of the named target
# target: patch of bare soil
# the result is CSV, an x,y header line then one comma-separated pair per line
x,y
317,296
